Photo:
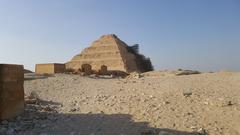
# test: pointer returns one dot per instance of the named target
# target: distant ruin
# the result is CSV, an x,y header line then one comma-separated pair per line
x,y
110,53
49,68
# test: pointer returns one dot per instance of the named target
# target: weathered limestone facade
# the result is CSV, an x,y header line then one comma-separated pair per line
x,y
49,68
11,90
108,51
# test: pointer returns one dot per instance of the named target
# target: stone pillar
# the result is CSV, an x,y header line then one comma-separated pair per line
x,y
103,70
11,90
87,69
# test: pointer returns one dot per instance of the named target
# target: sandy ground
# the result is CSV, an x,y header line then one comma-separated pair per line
x,y
206,103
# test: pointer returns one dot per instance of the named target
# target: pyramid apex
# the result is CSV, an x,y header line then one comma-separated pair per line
x,y
109,36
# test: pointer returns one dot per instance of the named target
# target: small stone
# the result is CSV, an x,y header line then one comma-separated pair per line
x,y
229,103
166,102
225,103
206,103
194,128
187,93
202,131
89,112
73,110
47,109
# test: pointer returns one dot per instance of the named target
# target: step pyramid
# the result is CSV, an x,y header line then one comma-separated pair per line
x,y
110,51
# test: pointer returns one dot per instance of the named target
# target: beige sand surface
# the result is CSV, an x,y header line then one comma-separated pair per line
x,y
159,105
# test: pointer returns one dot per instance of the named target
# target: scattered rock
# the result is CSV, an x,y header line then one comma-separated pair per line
x,y
187,93
202,131
166,102
136,103
47,109
134,75
73,110
229,103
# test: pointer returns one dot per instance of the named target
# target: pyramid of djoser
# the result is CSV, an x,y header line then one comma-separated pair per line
x,y
110,51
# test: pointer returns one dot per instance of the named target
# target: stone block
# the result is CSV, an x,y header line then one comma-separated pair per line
x,y
11,90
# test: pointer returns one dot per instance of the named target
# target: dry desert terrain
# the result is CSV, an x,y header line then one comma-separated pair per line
x,y
155,104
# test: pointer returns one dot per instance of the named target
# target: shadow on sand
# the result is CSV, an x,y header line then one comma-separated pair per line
x,y
37,121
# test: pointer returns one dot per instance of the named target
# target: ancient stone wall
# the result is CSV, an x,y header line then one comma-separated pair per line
x,y
11,90
59,68
49,68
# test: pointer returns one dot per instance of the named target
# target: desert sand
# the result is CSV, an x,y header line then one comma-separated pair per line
x,y
154,104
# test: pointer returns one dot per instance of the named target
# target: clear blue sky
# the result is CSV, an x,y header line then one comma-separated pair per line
x,y
190,34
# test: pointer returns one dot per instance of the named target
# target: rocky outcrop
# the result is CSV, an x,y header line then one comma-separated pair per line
x,y
113,53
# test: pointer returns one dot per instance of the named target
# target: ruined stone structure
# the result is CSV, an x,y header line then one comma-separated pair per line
x,y
103,70
86,68
50,68
11,90
113,53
